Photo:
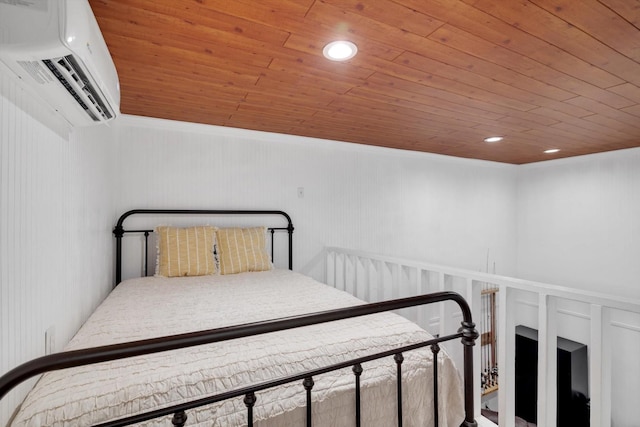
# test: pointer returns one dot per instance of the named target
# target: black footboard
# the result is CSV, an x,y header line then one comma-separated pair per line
x,y
467,333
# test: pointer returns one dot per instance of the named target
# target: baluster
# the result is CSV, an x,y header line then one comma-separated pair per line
x,y
249,401
399,358
308,385
179,419
435,349
357,371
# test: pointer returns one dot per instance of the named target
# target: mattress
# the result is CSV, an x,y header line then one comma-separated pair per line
x,y
153,306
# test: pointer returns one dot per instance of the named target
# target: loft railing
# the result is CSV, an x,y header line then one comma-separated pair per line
x,y
376,278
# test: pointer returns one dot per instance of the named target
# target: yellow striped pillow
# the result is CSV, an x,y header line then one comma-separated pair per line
x,y
242,249
186,251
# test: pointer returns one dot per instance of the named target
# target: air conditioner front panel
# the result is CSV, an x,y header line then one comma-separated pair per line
x,y
65,61
84,38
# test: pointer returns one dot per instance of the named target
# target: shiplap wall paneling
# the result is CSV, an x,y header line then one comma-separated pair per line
x,y
579,222
55,220
396,202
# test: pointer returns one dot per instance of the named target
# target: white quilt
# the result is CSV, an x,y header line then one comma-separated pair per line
x,y
152,307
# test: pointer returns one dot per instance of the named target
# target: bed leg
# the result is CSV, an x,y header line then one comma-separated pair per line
x,y
179,419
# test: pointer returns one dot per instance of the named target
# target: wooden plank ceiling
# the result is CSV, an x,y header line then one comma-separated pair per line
x,y
431,75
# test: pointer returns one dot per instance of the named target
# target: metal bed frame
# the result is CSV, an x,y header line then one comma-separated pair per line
x,y
467,333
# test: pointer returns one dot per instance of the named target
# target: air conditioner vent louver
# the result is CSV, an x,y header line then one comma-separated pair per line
x,y
67,70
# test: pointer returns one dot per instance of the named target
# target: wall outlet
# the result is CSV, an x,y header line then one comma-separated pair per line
x,y
49,340
300,192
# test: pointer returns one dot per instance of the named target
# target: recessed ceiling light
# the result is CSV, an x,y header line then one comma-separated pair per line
x,y
493,139
340,50
551,151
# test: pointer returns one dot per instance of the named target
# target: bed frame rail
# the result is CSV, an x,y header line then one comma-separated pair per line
x,y
119,230
467,333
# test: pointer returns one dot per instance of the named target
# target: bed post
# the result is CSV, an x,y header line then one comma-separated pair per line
x,y
290,231
469,336
118,231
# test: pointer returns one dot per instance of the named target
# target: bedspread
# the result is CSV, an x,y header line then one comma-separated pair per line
x,y
152,307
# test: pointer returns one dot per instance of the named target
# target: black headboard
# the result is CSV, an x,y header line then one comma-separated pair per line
x,y
119,230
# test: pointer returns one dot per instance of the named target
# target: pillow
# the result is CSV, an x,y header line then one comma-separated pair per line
x,y
242,249
186,251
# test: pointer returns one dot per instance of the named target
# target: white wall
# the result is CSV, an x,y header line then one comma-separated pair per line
x,y
55,229
579,226
414,205
573,222
579,222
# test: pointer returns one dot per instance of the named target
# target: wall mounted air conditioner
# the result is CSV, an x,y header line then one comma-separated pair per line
x,y
56,49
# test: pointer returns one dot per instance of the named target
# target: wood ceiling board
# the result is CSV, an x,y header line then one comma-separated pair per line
x,y
599,21
451,90
216,110
152,82
629,10
588,134
484,69
374,33
591,130
554,30
188,19
530,118
226,48
428,105
394,16
523,65
131,39
402,123
288,99
511,35
602,124
145,63
303,60
305,69
606,111
434,76
499,88
203,24
627,90
279,81
635,110
184,113
361,126
313,46
557,138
